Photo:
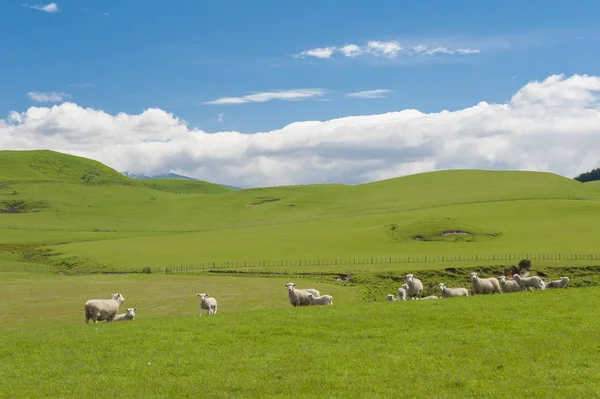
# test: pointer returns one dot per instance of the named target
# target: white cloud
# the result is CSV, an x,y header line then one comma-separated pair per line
x,y
220,117
51,7
551,125
390,49
378,93
49,97
286,95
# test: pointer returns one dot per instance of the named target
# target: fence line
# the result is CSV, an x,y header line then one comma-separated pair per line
x,y
374,211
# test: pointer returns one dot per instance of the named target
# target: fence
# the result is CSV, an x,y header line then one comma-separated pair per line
x,y
373,211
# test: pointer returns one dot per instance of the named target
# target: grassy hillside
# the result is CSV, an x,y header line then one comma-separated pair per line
x,y
184,186
260,346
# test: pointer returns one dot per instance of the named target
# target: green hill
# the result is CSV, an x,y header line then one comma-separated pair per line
x,y
184,186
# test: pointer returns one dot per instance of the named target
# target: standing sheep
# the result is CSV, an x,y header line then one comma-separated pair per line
x,y
207,303
526,282
320,300
402,292
562,283
509,285
452,292
299,297
414,287
129,315
484,285
103,309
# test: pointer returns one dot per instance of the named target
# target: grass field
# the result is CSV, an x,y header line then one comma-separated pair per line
x,y
531,344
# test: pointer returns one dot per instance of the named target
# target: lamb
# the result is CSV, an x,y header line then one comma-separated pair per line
x,y
130,315
402,292
299,297
452,292
430,297
103,309
391,297
509,285
414,287
526,282
320,300
562,283
207,303
485,285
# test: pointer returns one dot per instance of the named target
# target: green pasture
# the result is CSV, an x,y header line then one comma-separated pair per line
x,y
530,344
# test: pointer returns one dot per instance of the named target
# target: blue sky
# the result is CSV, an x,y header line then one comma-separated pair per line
x,y
127,56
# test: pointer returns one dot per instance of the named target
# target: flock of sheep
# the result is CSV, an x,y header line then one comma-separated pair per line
x,y
108,309
413,288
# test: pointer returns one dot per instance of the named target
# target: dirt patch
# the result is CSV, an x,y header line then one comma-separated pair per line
x,y
263,200
454,233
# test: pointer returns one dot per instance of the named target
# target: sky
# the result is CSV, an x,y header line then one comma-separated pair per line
x,y
269,93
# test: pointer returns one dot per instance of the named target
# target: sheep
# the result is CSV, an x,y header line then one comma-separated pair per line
x,y
484,285
562,283
414,287
207,303
320,300
509,285
402,292
429,297
391,297
299,297
103,309
452,292
533,281
130,315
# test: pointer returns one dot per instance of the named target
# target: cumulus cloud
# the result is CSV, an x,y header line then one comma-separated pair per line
x,y
50,97
51,7
550,125
286,95
390,49
378,93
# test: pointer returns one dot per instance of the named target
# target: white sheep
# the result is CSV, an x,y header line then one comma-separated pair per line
x,y
299,297
207,303
103,309
430,297
402,292
391,297
509,285
562,283
452,292
129,315
526,282
320,300
414,287
484,285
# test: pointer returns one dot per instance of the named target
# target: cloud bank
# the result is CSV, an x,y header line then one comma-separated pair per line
x,y
550,125
286,95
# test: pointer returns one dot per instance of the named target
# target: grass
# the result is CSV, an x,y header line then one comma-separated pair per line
x,y
516,345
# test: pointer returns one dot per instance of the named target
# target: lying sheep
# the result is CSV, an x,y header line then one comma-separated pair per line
x,y
129,315
207,303
103,309
484,285
526,282
452,292
430,297
509,285
562,283
299,297
391,297
320,300
414,287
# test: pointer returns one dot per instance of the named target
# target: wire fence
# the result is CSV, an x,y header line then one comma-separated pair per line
x,y
373,211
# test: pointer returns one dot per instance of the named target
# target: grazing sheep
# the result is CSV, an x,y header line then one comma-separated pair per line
x,y
207,303
526,282
430,297
130,315
562,283
320,300
414,287
484,285
391,297
509,285
299,297
103,309
452,292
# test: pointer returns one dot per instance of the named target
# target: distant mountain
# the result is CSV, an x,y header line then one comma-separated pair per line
x,y
132,175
